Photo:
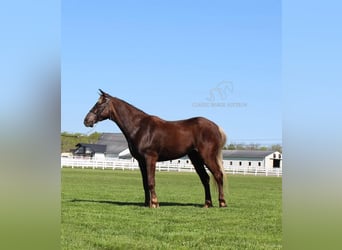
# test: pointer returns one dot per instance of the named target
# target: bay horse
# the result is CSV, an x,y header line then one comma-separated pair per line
x,y
151,139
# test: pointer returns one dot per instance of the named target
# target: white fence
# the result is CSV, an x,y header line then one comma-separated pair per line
x,y
179,166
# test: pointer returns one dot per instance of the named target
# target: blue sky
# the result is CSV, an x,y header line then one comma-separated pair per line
x,y
168,57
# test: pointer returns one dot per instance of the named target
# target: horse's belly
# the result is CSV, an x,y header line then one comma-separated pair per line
x,y
173,153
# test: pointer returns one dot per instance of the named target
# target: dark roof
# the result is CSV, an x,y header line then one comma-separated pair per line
x,y
96,148
115,142
245,153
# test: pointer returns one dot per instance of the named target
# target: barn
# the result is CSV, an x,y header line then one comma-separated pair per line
x,y
96,151
252,158
117,147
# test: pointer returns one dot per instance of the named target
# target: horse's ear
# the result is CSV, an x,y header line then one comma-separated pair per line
x,y
101,92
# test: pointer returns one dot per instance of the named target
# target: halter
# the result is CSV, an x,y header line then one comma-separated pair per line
x,y
99,112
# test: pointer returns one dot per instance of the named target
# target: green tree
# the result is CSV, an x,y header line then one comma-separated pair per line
x,y
277,147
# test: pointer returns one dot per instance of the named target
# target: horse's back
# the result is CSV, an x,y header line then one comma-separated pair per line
x,y
195,128
195,121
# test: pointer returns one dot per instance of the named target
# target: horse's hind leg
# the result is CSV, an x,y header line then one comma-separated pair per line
x,y
199,167
219,180
214,164
218,174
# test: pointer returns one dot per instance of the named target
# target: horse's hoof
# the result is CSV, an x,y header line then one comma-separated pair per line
x,y
154,205
208,204
223,204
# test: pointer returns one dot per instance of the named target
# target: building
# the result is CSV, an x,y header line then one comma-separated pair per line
x,y
252,158
109,145
116,145
95,151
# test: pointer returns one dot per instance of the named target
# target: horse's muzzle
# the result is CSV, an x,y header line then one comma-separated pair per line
x,y
88,124
90,120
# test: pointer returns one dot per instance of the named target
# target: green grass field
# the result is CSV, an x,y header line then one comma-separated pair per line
x,y
103,209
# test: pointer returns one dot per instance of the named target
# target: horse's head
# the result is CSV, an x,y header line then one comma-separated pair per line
x,y
99,112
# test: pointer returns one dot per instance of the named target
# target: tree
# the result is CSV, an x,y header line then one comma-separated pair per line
x,y
240,146
253,146
277,147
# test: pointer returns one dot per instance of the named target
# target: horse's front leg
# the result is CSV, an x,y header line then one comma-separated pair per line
x,y
151,160
142,166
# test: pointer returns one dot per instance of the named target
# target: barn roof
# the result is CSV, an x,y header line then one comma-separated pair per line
x,y
115,142
245,153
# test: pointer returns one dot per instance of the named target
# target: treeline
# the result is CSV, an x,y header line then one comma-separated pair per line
x,y
253,146
69,140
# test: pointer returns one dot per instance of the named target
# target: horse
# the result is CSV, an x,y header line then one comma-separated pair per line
x,y
151,139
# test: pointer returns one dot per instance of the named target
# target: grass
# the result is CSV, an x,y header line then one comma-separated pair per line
x,y
103,209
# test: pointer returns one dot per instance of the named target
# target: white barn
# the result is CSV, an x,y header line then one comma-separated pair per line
x,y
253,159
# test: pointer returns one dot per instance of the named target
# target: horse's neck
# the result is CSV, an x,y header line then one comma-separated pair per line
x,y
126,117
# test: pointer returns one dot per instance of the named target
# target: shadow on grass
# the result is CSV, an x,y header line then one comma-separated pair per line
x,y
138,204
